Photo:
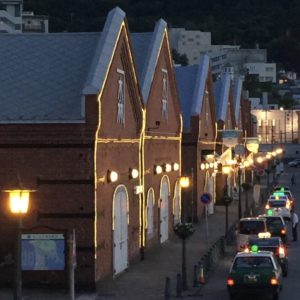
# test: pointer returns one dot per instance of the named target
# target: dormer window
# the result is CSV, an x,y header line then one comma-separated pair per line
x,y
164,111
121,97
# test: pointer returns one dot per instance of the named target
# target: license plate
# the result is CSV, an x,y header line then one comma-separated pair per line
x,y
250,278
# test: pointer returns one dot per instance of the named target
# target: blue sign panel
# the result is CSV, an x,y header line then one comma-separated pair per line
x,y
206,198
43,252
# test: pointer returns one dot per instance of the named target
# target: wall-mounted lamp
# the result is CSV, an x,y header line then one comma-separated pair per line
x,y
202,166
259,159
211,164
112,176
226,169
206,166
133,173
167,168
158,169
184,182
175,166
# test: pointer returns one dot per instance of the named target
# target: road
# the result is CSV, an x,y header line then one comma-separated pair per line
x,y
216,283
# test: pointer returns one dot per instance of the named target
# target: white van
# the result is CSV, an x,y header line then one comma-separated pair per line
x,y
248,228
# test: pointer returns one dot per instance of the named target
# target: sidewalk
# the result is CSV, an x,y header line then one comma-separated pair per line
x,y
146,279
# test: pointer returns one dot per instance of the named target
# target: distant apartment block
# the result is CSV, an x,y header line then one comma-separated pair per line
x,y
14,20
224,58
265,71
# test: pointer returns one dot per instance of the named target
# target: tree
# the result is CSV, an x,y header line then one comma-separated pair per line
x,y
180,59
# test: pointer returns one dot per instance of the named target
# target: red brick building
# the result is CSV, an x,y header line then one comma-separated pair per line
x,y
71,113
161,141
197,104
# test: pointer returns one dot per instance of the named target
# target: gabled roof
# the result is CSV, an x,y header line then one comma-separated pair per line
x,y
146,47
222,91
104,52
44,76
191,82
185,78
237,94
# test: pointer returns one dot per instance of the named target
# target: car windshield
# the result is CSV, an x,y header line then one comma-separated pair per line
x,y
274,224
251,227
264,242
277,203
252,261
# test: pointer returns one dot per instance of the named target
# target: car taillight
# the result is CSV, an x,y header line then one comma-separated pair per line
x,y
287,205
230,282
283,231
274,281
281,252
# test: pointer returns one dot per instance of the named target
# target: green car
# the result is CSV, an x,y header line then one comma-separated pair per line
x,y
256,272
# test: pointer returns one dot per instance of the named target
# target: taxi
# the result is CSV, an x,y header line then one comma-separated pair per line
x,y
276,225
255,272
280,205
275,245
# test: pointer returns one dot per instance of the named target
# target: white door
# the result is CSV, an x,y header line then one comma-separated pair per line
x,y
164,210
120,230
150,216
176,204
210,189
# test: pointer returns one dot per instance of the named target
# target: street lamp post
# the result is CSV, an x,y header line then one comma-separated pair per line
x,y
184,183
18,204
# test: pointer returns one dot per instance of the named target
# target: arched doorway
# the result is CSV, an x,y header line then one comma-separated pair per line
x,y
120,229
150,213
164,209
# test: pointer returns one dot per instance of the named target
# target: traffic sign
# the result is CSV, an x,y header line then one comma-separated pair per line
x,y
205,198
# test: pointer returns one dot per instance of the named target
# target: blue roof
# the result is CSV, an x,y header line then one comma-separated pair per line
x,y
185,78
141,44
237,94
200,83
191,81
221,91
42,75
146,47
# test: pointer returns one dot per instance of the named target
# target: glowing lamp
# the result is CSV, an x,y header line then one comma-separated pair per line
x,y
112,176
134,173
211,165
279,151
259,159
202,166
175,166
158,169
226,169
246,163
167,168
254,248
184,182
270,212
264,235
268,156
207,165
19,201
274,153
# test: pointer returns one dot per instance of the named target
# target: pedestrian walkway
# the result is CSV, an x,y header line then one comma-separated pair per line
x,y
146,279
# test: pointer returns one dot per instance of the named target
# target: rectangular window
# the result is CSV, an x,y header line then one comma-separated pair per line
x,y
17,10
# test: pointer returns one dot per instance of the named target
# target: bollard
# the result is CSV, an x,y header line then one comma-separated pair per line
x,y
195,279
167,288
178,286
201,278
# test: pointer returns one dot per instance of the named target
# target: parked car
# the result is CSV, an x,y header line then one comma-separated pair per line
x,y
256,273
294,163
249,227
275,245
276,226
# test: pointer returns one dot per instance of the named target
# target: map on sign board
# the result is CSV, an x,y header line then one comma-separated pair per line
x,y
43,252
